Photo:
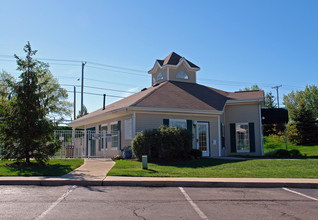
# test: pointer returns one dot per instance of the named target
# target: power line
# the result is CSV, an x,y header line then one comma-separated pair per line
x,y
93,87
97,94
118,71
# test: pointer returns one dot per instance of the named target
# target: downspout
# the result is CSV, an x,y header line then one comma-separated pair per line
x,y
168,77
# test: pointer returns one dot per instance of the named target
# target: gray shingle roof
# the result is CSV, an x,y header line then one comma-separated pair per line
x,y
179,95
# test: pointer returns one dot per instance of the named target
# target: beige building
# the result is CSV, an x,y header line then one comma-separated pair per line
x,y
222,123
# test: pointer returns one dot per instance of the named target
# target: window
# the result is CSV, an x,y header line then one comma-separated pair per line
x,y
178,123
115,136
159,76
128,128
242,137
182,75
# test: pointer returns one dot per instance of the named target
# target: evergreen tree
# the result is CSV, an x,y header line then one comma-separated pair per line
x,y
26,132
306,125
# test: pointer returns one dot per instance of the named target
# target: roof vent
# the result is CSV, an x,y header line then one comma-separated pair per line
x,y
143,89
157,84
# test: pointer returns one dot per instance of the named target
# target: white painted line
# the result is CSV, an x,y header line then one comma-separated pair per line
x,y
298,193
56,203
194,206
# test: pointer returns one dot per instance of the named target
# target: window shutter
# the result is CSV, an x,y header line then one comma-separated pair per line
x,y
100,138
252,136
233,138
166,122
189,128
119,135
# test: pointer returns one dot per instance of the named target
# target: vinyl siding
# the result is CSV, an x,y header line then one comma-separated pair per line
x,y
242,113
145,121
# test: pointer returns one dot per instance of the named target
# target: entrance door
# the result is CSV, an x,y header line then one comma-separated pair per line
x,y
202,131
90,142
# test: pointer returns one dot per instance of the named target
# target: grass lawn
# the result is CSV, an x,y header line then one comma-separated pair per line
x,y
269,168
55,167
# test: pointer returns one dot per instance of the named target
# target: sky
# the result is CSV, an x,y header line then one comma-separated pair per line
x,y
235,43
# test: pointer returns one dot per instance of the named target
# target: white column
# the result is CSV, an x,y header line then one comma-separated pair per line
x,y
134,125
168,77
219,130
261,128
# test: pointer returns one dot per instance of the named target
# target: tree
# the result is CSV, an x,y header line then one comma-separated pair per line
x,y
26,131
85,112
308,97
253,88
306,125
269,100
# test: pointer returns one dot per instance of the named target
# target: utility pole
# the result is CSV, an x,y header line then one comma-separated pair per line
x,y
74,102
82,92
276,87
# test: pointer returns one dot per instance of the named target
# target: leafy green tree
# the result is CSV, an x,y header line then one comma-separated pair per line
x,y
308,97
26,131
252,88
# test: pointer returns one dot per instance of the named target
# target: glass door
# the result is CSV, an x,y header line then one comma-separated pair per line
x,y
203,138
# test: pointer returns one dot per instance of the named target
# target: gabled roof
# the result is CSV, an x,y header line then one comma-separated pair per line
x,y
178,95
173,59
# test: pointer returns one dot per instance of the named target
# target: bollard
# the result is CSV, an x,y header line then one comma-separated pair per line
x,y
144,162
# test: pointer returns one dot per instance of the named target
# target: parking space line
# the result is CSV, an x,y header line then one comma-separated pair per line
x,y
56,203
194,206
298,193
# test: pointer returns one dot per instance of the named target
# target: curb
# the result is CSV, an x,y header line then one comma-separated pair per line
x,y
158,183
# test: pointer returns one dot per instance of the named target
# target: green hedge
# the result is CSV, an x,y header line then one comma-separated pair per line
x,y
163,143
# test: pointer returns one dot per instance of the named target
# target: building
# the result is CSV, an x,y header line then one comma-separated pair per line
x,y
222,123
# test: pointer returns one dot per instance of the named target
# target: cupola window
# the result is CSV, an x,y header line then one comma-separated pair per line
x,y
159,76
182,75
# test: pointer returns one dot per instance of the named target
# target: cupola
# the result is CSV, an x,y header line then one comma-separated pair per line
x,y
173,68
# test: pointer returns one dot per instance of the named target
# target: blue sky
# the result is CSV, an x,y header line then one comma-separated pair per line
x,y
235,43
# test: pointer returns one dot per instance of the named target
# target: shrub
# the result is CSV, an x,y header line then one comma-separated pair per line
x,y
196,153
284,153
127,153
117,157
163,143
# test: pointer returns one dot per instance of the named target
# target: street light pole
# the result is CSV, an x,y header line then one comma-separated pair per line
x,y
82,90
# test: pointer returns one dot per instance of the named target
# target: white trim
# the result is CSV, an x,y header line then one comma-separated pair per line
x,y
261,128
175,110
219,129
168,76
230,101
207,138
104,125
114,122
134,125
183,60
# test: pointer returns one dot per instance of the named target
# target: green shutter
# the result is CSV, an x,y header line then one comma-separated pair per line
x,y
166,122
189,128
252,136
100,138
233,138
119,135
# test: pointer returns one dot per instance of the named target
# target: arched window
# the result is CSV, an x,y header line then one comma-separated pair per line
x,y
159,76
182,75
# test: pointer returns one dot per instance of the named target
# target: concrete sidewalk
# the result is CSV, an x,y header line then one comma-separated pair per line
x,y
93,173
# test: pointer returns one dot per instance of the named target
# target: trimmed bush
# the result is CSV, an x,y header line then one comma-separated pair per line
x,y
163,143
196,153
284,154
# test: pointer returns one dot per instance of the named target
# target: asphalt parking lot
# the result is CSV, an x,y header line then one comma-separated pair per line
x,y
72,202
